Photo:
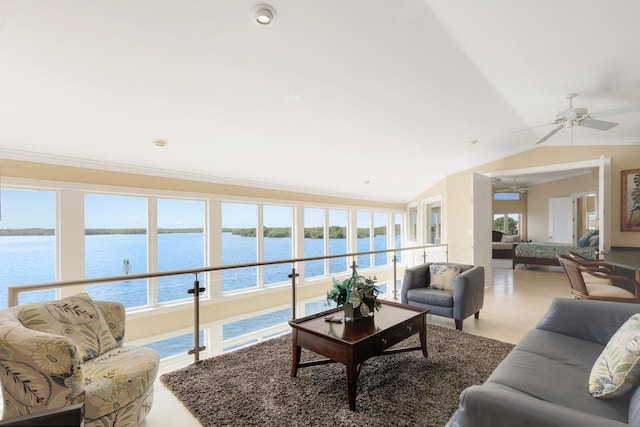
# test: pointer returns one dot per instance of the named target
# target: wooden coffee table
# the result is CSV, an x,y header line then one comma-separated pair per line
x,y
351,343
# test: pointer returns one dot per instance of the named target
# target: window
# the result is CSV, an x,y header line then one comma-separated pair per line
x,y
506,196
398,235
27,242
239,245
115,245
180,245
380,238
434,223
314,241
337,240
413,224
363,225
508,223
277,222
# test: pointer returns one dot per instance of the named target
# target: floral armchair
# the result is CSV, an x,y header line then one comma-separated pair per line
x,y
58,353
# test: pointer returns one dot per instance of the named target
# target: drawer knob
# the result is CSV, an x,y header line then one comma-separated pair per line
x,y
409,327
384,341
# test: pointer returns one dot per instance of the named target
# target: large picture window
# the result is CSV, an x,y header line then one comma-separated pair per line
x,y
116,244
239,245
180,245
27,242
277,244
314,241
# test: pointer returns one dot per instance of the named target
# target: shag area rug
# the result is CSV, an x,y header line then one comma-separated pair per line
x,y
252,386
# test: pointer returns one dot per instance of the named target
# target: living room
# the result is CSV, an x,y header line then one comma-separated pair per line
x,y
376,107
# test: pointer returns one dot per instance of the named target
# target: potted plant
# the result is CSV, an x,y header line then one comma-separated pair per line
x,y
358,295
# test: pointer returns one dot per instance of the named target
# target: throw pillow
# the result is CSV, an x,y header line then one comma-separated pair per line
x,y
617,369
443,276
76,317
583,242
511,238
594,241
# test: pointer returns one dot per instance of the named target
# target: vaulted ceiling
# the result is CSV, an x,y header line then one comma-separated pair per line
x,y
360,98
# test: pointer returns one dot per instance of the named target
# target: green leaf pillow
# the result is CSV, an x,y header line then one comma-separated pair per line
x,y
76,317
617,369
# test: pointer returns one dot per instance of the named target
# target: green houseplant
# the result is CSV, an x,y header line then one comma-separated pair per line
x,y
358,295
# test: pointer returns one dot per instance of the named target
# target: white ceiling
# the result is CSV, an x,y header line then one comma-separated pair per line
x,y
332,94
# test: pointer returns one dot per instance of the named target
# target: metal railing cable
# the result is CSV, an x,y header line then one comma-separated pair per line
x,y
13,292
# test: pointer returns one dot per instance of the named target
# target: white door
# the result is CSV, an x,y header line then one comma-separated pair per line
x,y
561,219
604,203
482,225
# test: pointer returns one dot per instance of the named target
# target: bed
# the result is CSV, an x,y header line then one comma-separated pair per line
x,y
545,253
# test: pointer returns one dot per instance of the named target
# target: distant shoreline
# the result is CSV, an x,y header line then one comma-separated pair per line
x,y
335,232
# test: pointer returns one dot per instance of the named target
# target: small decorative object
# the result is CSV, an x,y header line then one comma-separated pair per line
x,y
358,295
630,220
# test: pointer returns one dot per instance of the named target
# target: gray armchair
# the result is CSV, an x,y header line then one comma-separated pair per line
x,y
466,298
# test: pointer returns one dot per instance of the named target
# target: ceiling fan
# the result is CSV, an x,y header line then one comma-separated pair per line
x,y
581,117
513,188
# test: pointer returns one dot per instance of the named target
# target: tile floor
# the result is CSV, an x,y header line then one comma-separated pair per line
x,y
513,305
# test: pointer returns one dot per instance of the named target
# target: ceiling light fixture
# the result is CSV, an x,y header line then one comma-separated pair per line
x,y
159,142
264,14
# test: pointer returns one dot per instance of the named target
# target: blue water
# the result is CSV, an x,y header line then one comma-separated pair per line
x,y
31,259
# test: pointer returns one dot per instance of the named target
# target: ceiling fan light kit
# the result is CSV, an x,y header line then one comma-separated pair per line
x,y
572,117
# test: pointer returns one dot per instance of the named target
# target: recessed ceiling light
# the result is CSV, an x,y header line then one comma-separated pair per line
x,y
474,142
159,142
263,14
367,181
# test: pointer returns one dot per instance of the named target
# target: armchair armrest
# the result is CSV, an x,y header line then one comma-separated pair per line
x,y
414,277
591,320
468,292
39,370
492,406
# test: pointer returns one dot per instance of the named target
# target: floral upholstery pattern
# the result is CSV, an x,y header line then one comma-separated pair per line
x,y
443,276
46,368
550,250
617,369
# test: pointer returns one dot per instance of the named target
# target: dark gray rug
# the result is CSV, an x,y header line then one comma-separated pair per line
x,y
253,386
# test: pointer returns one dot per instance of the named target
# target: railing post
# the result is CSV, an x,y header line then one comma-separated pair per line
x,y
197,348
354,265
395,282
293,276
424,255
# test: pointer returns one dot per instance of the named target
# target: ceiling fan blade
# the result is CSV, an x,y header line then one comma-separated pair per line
x,y
550,134
616,111
534,127
597,124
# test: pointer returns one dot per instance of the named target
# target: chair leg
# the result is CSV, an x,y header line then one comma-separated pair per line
x,y
458,324
477,314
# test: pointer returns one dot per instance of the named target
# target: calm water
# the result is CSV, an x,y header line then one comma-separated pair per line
x,y
31,259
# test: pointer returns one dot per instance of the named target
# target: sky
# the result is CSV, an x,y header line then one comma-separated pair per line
x,y
37,209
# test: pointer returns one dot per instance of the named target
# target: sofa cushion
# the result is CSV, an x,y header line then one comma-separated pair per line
x,y
443,276
554,367
76,317
617,369
431,296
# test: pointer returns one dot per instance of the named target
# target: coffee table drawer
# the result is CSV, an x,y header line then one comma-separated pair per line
x,y
399,333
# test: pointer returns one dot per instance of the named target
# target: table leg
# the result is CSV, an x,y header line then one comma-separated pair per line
x,y
295,353
423,338
352,384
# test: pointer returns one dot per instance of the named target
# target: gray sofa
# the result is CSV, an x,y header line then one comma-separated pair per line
x,y
544,380
466,298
